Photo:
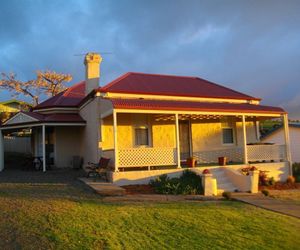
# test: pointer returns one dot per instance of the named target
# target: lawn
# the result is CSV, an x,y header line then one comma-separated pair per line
x,y
65,216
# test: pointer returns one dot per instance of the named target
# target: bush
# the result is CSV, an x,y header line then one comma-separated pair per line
x,y
296,171
290,179
227,195
263,178
265,192
187,183
271,181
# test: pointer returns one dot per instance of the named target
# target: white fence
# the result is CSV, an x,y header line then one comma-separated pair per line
x,y
140,157
143,157
232,154
17,144
266,152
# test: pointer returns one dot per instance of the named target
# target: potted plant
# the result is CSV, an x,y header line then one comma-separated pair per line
x,y
191,162
222,160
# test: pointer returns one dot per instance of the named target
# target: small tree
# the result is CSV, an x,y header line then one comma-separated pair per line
x,y
47,83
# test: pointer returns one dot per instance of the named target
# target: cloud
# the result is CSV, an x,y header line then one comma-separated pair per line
x,y
251,46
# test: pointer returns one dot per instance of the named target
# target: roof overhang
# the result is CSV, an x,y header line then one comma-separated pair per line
x,y
187,107
37,124
32,119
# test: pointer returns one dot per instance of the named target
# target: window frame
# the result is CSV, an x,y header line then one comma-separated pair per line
x,y
233,136
148,135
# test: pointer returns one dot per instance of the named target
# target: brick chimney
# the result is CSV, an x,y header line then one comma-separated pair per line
x,y
92,71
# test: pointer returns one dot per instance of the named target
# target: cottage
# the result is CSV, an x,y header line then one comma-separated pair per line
x,y
150,124
276,136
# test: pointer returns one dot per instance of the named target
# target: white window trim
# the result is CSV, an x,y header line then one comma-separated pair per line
x,y
149,136
233,136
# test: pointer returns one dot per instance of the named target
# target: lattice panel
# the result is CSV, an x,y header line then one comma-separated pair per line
x,y
141,157
266,152
232,154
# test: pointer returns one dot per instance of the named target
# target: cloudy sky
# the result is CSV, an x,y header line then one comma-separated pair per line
x,y
251,46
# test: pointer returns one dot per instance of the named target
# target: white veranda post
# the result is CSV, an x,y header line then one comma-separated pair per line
x,y
245,140
44,147
1,152
177,141
287,142
115,140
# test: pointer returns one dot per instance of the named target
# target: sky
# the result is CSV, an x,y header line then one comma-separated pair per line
x,y
251,46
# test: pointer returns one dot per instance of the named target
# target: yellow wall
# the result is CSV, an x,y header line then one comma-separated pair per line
x,y
162,133
107,134
206,135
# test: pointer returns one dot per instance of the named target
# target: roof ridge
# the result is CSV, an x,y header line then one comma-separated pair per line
x,y
169,75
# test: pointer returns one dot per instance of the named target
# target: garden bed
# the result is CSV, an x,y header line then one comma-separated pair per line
x,y
281,186
139,189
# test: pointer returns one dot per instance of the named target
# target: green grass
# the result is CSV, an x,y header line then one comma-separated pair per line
x,y
69,217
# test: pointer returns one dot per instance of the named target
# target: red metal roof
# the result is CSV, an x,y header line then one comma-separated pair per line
x,y
193,106
67,117
70,97
49,118
140,83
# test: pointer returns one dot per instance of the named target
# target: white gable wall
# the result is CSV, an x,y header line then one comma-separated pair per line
x,y
277,137
20,118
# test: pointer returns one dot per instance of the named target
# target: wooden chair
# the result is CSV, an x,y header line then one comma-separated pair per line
x,y
98,169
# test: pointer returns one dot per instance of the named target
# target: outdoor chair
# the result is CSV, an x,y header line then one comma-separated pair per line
x,y
98,169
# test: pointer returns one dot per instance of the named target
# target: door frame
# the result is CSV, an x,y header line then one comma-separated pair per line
x,y
190,142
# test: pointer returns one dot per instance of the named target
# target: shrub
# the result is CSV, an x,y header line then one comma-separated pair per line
x,y
290,179
227,195
263,178
187,183
265,192
246,170
296,171
271,181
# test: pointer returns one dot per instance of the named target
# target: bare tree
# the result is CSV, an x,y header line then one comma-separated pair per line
x,y
47,83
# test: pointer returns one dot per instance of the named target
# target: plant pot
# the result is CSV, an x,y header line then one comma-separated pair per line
x,y
222,161
191,162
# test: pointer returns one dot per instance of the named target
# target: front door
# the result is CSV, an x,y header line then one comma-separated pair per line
x,y
184,139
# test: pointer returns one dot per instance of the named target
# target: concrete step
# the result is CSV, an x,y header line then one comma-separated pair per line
x,y
227,186
223,183
104,188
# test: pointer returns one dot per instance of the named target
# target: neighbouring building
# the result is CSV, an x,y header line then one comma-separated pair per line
x,y
276,136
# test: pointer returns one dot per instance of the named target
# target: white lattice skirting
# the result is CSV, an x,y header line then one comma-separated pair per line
x,y
232,154
140,157
266,152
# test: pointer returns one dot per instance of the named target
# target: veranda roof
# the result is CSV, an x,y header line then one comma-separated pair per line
x,y
31,118
143,104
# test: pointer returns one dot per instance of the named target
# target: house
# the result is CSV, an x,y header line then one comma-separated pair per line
x,y
15,142
149,124
9,107
276,136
